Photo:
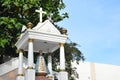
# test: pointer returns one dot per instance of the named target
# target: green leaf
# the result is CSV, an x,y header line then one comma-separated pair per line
x,y
3,42
25,6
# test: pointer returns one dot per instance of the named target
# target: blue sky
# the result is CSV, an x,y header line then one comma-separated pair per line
x,y
95,26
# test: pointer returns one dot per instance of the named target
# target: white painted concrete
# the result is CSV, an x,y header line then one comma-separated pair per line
x,y
97,71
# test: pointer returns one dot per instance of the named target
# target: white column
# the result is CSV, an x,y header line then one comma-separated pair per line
x,y
63,75
20,66
62,57
50,75
50,63
30,72
30,54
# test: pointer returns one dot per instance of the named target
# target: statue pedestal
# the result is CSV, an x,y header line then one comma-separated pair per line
x,y
30,74
20,77
63,76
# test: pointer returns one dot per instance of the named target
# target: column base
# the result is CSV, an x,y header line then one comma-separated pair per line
x,y
20,78
63,75
51,77
30,74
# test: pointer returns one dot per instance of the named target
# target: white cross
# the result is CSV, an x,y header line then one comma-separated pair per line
x,y
40,11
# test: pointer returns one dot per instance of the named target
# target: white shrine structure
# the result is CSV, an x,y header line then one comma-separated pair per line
x,y
46,37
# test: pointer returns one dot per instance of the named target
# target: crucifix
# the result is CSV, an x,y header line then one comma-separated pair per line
x,y
40,11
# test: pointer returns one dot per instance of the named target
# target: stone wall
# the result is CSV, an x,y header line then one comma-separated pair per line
x,y
9,76
96,71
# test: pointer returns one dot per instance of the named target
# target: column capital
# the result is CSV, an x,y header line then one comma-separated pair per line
x,y
30,40
20,75
62,70
50,76
61,44
20,50
49,53
30,67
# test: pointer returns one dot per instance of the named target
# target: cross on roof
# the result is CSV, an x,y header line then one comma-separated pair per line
x,y
40,11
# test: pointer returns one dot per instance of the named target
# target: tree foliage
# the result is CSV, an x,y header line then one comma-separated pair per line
x,y
15,13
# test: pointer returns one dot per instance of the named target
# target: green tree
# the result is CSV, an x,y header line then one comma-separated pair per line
x,y
15,13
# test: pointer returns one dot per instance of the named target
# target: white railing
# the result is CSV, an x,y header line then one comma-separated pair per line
x,y
11,65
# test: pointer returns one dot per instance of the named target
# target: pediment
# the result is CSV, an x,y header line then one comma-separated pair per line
x,y
46,27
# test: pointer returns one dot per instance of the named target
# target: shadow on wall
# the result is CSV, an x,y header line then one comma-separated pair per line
x,y
9,76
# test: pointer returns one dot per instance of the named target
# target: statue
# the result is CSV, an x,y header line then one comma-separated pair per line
x,y
40,65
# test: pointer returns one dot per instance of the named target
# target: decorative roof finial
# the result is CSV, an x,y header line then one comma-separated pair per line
x,y
64,31
40,11
50,17
29,25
